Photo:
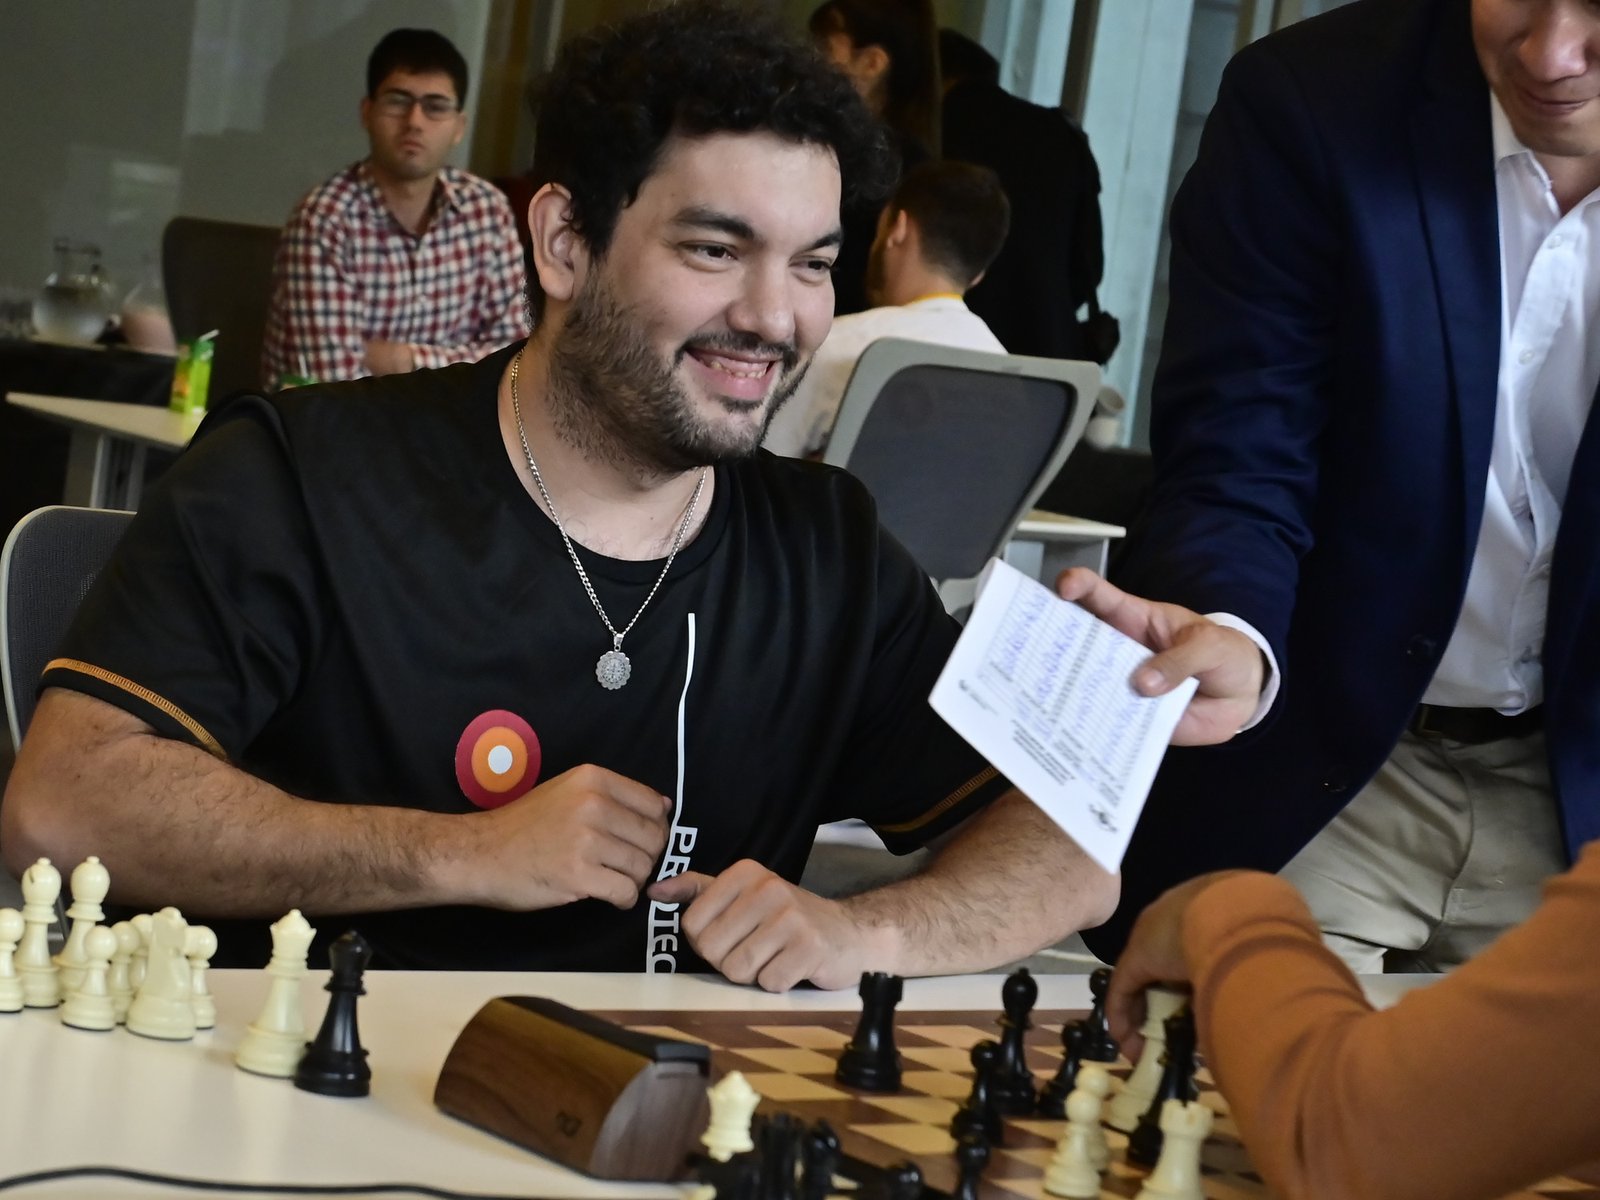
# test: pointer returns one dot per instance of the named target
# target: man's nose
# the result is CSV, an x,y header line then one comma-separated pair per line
x,y
1557,45
765,306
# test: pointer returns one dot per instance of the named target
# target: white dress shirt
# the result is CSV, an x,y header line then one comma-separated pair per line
x,y
1549,368
802,425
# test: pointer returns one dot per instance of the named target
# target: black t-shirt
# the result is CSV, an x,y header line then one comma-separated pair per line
x,y
347,591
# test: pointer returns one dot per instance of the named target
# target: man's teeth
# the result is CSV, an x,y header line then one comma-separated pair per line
x,y
742,369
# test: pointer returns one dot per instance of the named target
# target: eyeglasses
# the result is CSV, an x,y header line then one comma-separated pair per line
x,y
400,104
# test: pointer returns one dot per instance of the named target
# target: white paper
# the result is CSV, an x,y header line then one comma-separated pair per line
x,y
1042,689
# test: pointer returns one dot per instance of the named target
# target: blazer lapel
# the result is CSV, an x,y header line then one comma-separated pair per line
x,y
1454,155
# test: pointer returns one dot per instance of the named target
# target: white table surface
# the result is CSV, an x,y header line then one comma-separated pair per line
x,y
74,1098
142,423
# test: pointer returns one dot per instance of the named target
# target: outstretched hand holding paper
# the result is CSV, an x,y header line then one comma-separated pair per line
x,y
1042,689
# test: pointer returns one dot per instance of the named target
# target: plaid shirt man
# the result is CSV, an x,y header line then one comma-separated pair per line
x,y
348,273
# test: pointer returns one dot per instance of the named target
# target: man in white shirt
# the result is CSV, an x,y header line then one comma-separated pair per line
x,y
935,239
1374,446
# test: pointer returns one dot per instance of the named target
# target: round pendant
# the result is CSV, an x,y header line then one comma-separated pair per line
x,y
613,670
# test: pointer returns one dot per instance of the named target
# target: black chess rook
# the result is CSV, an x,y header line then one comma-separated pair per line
x,y
870,1062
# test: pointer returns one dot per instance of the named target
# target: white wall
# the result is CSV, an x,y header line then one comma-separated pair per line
x,y
123,113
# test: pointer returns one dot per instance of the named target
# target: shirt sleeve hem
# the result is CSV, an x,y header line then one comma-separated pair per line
x,y
976,793
155,710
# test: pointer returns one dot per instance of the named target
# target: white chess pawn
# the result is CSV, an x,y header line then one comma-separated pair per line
x,y
41,887
89,1005
141,952
733,1103
163,1007
200,945
275,1040
1072,1173
1133,1101
1184,1126
119,983
11,927
90,883
1096,1080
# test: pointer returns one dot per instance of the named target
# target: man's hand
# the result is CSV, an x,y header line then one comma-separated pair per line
x,y
1154,954
756,927
587,833
1227,664
389,358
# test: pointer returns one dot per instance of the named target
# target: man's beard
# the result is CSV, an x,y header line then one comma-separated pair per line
x,y
614,400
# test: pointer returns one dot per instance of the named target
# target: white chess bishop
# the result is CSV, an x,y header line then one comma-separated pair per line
x,y
1131,1103
275,1040
733,1104
90,883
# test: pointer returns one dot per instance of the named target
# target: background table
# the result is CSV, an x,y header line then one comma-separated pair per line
x,y
75,1098
106,458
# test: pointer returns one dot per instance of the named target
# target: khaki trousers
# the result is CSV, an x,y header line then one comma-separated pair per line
x,y
1446,848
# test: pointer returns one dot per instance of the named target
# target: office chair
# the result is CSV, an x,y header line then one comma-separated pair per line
x,y
218,275
49,562
956,445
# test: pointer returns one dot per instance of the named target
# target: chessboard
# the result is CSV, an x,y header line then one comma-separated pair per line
x,y
790,1057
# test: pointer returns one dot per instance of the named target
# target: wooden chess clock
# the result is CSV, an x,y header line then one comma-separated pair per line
x,y
589,1094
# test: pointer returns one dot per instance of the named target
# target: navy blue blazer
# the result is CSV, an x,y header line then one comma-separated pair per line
x,y
1322,420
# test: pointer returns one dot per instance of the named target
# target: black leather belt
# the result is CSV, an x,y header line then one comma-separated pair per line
x,y
1473,726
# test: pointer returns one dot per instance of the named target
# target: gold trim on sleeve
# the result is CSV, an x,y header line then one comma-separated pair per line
x,y
196,730
945,805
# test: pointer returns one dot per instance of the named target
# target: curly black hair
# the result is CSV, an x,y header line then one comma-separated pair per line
x,y
616,95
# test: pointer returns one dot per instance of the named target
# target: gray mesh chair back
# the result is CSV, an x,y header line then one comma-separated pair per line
x,y
218,275
956,445
49,561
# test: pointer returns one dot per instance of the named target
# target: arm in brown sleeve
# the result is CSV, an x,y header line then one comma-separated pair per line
x,y
1484,1081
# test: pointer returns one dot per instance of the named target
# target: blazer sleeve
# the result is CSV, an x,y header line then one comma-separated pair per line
x,y
1242,391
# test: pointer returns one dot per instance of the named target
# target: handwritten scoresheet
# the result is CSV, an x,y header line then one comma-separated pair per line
x,y
1041,689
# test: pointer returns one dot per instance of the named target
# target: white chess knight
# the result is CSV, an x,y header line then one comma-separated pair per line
x,y
275,1040
1184,1127
11,927
89,1005
164,1004
1073,1173
733,1104
1131,1103
90,883
41,985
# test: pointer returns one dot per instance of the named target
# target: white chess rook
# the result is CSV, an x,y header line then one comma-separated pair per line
x,y
89,1005
275,1040
1131,1103
1072,1173
90,883
164,1005
733,1104
11,928
1184,1126
41,985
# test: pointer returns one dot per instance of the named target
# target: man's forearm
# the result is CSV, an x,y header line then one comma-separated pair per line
x,y
1008,883
176,826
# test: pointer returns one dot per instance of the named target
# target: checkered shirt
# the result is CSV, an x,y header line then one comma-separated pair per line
x,y
347,273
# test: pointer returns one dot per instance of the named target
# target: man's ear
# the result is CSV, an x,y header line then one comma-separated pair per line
x,y
560,255
872,63
900,229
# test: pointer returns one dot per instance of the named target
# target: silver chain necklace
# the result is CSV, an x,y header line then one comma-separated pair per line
x,y
613,669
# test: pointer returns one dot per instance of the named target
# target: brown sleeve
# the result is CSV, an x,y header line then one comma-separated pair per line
x,y
1470,1087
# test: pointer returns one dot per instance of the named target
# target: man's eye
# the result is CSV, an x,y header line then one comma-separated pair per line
x,y
712,251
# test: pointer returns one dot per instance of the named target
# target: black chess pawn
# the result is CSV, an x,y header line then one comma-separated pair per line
x,y
1053,1095
778,1145
979,1114
870,1062
1098,1044
334,1063
903,1181
1177,1083
1013,1089
972,1153
819,1160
